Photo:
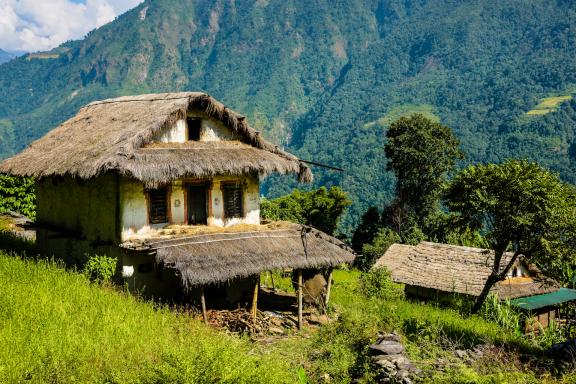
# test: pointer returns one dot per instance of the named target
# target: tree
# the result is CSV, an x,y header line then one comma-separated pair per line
x,y
421,153
320,208
367,229
519,207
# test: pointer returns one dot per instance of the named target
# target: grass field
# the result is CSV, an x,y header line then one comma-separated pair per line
x,y
548,104
58,327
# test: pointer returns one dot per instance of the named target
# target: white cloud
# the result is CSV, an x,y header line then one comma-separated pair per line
x,y
37,25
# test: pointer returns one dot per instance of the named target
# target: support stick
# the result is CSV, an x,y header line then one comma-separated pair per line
x,y
328,288
299,299
255,299
203,302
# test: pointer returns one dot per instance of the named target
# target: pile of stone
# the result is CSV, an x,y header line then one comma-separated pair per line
x,y
388,354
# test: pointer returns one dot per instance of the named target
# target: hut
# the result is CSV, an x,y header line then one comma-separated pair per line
x,y
440,271
169,184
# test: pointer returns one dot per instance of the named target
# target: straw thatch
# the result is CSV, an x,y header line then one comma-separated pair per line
x,y
451,268
112,135
220,257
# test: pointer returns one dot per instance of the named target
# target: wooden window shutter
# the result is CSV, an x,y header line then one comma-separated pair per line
x,y
158,204
233,200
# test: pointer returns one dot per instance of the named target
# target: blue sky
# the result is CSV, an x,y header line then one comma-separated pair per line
x,y
39,25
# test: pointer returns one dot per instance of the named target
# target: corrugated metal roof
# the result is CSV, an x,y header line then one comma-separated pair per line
x,y
562,295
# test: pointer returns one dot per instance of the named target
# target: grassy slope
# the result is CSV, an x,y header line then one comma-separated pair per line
x,y
55,326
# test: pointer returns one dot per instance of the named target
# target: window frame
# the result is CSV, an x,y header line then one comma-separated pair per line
x,y
168,212
223,187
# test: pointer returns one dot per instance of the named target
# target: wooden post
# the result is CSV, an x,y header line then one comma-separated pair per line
x,y
328,288
203,302
255,299
299,299
272,278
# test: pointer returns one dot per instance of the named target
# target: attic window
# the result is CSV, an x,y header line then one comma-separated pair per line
x,y
232,200
158,205
194,125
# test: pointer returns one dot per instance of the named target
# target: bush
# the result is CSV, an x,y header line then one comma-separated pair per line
x,y
378,283
100,268
18,194
373,251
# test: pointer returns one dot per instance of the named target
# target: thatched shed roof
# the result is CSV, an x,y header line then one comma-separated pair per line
x,y
220,257
112,135
451,268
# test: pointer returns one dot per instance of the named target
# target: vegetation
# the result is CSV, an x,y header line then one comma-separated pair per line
x,y
17,194
314,78
519,206
320,209
58,327
421,153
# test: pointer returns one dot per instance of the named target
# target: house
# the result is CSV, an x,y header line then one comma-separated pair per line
x,y
169,184
437,271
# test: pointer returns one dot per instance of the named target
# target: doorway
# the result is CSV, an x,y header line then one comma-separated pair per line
x,y
197,205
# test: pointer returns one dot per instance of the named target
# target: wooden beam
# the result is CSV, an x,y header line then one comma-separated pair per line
x,y
328,288
203,302
299,299
255,299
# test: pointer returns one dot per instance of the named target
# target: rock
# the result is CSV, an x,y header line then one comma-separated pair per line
x,y
387,348
388,337
318,319
386,366
461,354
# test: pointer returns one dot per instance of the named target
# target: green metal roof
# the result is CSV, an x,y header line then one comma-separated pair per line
x,y
546,300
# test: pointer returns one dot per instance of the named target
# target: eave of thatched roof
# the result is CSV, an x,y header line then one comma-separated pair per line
x,y
220,257
110,135
451,268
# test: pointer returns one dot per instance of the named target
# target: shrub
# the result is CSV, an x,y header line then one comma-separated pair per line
x,y
17,194
371,252
502,313
378,283
100,268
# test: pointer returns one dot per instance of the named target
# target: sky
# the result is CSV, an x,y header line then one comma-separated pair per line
x,y
40,25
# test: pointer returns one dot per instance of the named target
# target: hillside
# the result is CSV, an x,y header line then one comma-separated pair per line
x,y
5,56
325,78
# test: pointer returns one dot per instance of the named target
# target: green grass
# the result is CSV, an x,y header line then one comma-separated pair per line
x,y
548,104
405,110
56,326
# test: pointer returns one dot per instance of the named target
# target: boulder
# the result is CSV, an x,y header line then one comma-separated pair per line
x,y
387,348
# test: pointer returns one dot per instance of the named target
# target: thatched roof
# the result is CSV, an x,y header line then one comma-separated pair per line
x,y
458,269
112,135
220,257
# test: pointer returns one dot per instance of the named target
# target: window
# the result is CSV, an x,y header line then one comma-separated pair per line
x,y
194,125
158,205
232,200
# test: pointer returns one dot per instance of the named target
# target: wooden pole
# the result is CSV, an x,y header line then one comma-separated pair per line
x,y
299,299
328,288
272,278
255,299
203,302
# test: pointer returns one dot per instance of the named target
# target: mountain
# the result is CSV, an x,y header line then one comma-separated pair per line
x,y
5,56
325,78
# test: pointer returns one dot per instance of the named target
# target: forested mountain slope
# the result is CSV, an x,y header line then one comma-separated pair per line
x,y
5,56
325,78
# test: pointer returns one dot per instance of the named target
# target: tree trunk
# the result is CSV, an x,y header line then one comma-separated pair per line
x,y
492,279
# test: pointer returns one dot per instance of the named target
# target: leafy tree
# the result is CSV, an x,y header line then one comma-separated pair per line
x,y
367,229
520,207
320,208
421,153
17,194
375,249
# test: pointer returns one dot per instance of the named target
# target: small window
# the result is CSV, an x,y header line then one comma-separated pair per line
x,y
194,126
232,200
158,204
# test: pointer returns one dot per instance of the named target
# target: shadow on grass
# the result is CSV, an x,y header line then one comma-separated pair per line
x,y
14,243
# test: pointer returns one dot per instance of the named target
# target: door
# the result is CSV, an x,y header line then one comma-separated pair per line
x,y
197,205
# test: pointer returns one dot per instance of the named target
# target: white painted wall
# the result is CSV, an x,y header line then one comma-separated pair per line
x,y
176,134
134,208
211,130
